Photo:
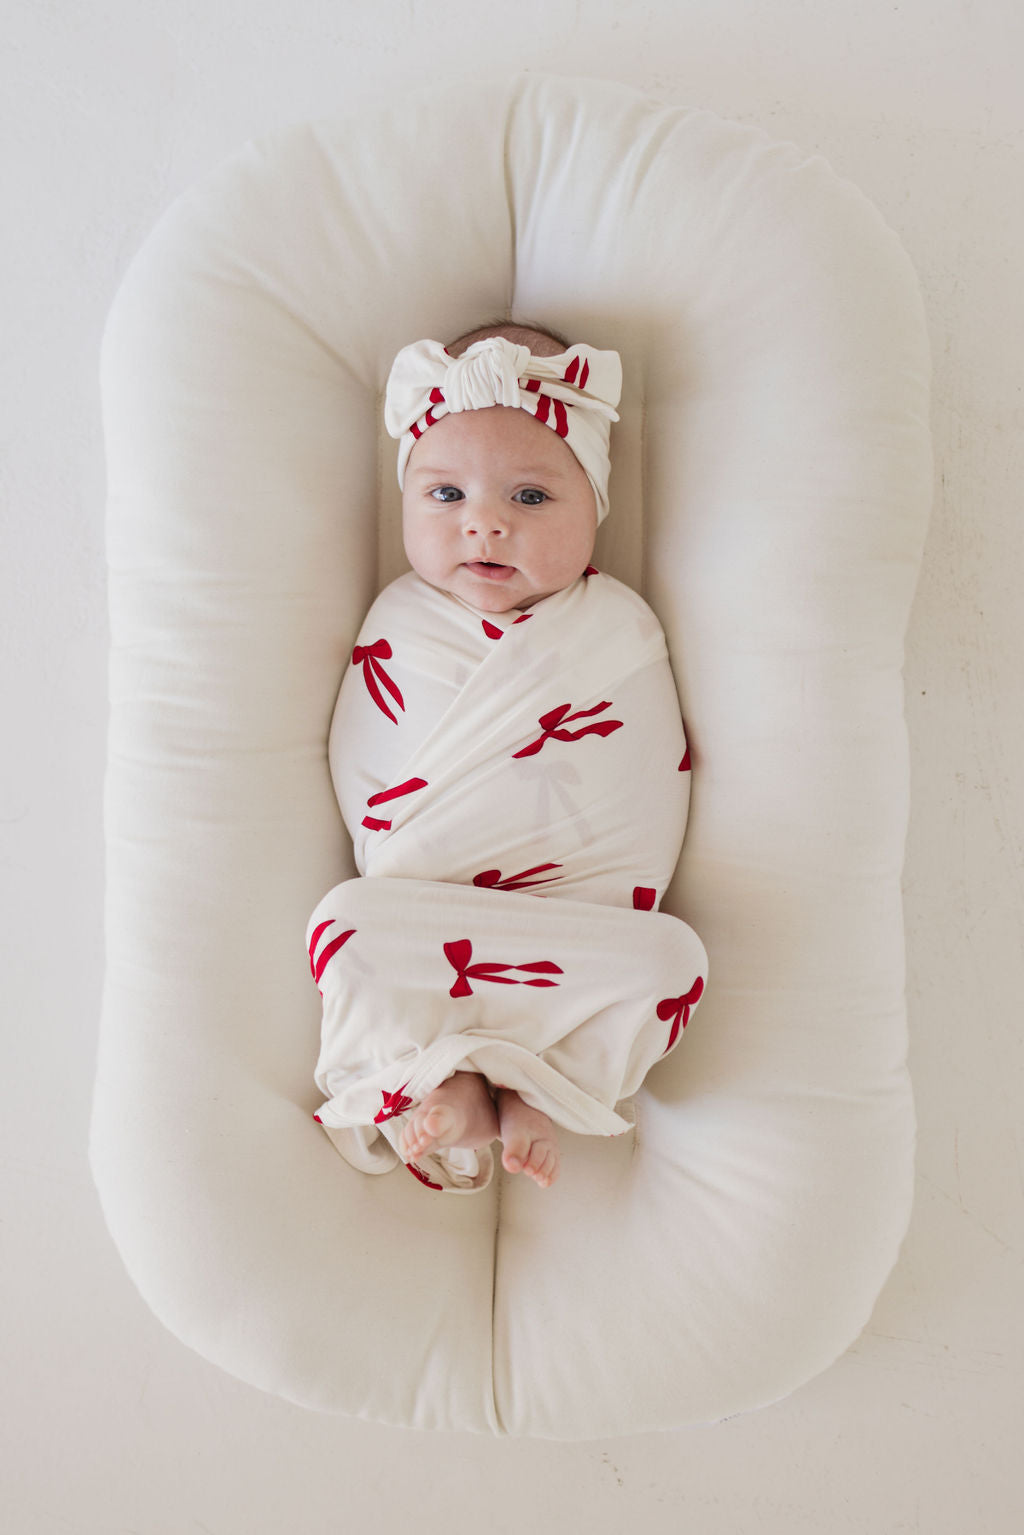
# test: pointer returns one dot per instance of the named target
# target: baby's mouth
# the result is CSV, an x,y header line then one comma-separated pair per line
x,y
490,569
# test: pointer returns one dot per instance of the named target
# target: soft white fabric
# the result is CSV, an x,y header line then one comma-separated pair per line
x,y
515,786
771,483
574,392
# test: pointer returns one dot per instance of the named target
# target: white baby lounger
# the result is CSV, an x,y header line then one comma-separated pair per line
x,y
769,496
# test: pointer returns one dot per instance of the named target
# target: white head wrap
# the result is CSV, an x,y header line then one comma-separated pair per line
x,y
575,393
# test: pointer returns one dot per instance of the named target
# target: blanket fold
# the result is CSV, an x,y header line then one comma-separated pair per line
x,y
516,787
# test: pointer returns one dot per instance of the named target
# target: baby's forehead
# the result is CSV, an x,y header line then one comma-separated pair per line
x,y
497,434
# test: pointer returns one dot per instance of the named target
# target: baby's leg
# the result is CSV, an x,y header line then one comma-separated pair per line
x,y
459,1113
529,1138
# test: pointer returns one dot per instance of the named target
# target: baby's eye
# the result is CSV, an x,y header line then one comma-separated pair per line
x,y
447,493
531,496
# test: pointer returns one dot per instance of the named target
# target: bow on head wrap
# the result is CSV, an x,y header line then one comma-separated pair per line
x,y
575,393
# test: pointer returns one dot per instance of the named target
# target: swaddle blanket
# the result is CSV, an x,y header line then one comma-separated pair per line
x,y
516,786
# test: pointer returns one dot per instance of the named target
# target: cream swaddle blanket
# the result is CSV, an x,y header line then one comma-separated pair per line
x,y
516,786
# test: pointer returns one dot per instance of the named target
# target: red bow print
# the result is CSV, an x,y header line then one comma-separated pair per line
x,y
545,405
491,879
319,965
370,657
570,373
494,633
418,1172
678,1009
460,953
552,722
371,821
394,1103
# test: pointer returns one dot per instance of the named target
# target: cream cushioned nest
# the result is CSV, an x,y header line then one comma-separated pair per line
x,y
770,493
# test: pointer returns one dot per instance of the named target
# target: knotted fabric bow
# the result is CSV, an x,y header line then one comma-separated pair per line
x,y
575,393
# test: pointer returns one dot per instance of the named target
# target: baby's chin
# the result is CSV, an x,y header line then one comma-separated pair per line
x,y
504,591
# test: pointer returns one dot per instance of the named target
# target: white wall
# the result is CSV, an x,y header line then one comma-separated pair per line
x,y
109,1426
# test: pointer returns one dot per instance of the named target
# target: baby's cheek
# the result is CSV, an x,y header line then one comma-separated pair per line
x,y
571,555
424,548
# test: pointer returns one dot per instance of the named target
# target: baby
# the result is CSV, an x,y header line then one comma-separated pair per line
x,y
495,469
503,465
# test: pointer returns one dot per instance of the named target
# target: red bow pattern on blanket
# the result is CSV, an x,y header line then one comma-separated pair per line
x,y
481,803
552,724
491,879
460,954
371,658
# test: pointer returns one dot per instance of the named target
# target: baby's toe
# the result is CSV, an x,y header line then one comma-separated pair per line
x,y
439,1122
414,1139
543,1163
515,1154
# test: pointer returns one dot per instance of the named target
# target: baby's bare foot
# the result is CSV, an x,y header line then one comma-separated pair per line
x,y
529,1138
459,1113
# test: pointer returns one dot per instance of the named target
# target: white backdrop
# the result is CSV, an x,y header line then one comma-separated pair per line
x,y
109,1426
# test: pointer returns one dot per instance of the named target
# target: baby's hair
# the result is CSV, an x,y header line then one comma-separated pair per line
x,y
542,343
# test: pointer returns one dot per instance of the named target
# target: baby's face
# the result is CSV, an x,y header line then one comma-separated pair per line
x,y
496,509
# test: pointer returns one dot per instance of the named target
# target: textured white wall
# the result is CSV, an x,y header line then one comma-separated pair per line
x,y
108,1426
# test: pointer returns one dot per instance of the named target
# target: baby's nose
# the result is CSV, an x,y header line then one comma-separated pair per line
x,y
486,519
